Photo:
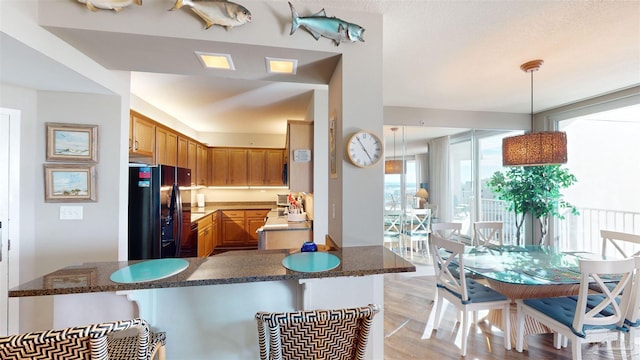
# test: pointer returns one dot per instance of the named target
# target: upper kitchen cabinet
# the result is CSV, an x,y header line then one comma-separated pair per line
x,y
183,158
166,146
142,135
192,152
228,167
274,173
300,155
202,166
266,167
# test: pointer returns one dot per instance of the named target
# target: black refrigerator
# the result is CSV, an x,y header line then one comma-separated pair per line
x,y
159,210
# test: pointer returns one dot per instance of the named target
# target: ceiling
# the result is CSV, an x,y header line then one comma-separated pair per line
x,y
458,55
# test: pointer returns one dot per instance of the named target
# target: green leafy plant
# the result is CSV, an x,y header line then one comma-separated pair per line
x,y
534,190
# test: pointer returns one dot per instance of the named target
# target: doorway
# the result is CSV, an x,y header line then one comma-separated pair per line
x,y
9,216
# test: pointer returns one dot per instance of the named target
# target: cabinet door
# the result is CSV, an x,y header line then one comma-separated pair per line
x,y
254,220
215,232
144,135
257,162
202,174
219,163
274,167
238,174
166,147
192,159
172,148
183,160
161,146
232,231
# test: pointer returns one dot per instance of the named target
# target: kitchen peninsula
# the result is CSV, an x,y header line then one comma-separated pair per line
x,y
207,310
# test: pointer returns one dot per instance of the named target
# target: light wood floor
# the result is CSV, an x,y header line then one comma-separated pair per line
x,y
407,303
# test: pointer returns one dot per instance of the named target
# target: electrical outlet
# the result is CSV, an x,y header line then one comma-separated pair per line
x,y
70,212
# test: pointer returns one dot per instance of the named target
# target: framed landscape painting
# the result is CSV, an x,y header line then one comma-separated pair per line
x,y
72,142
69,183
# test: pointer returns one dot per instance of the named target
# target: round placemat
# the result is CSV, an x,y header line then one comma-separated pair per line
x,y
311,262
149,270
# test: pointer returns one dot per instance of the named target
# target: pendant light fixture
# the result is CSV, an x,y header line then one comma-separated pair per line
x,y
534,148
393,166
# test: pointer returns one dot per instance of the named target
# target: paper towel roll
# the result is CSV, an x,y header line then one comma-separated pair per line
x,y
200,200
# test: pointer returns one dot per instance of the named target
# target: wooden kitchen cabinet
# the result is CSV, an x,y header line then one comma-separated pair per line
x,y
166,147
228,167
202,172
238,229
274,166
256,164
254,219
192,153
183,160
142,135
265,167
205,236
232,232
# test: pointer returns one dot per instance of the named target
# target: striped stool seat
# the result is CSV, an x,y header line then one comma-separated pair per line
x,y
339,334
90,342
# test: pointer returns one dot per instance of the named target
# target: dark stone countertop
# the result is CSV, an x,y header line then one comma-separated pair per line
x,y
199,212
226,268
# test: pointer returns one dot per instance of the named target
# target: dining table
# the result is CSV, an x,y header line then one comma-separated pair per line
x,y
523,272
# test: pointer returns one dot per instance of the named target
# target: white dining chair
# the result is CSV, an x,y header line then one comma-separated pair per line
x,y
418,229
626,244
585,318
447,230
486,233
392,228
467,295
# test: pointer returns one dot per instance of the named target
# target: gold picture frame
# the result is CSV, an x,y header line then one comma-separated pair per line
x,y
71,278
72,142
70,183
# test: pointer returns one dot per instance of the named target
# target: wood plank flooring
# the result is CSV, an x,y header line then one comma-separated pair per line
x,y
407,303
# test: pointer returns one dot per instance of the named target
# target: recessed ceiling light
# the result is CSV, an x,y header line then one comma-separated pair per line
x,y
281,66
216,61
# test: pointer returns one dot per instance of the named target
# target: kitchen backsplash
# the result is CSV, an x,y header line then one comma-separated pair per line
x,y
238,195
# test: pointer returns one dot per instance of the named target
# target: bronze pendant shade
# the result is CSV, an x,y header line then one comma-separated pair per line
x,y
534,148
394,166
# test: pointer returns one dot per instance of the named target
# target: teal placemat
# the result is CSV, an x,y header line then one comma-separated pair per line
x,y
149,270
311,262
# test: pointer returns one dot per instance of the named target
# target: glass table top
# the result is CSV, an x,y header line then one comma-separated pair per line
x,y
528,265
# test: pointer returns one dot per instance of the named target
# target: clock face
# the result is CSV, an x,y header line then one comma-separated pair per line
x,y
364,149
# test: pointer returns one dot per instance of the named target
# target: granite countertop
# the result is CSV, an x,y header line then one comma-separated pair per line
x,y
227,268
199,212
278,221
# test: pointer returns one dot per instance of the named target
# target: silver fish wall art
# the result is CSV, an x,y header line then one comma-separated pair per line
x,y
217,12
116,5
330,27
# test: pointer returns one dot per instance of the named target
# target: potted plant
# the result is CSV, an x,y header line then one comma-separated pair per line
x,y
534,190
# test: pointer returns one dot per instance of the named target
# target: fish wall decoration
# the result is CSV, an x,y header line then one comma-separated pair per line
x,y
333,28
116,5
217,12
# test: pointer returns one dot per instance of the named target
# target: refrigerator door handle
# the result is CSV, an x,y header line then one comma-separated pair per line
x,y
178,238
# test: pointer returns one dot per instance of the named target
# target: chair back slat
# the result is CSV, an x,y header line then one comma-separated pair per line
x,y
487,232
447,230
420,221
599,271
633,314
625,243
446,254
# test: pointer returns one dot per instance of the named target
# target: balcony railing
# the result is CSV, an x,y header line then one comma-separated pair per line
x,y
582,232
575,232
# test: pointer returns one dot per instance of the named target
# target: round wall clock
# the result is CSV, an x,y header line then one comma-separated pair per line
x,y
364,149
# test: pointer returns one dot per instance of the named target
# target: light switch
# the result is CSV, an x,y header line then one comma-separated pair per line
x,y
70,212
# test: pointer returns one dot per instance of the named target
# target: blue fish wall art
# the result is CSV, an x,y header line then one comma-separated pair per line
x,y
320,24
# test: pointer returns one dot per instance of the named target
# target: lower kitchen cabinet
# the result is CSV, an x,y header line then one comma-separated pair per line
x,y
238,229
205,236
